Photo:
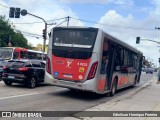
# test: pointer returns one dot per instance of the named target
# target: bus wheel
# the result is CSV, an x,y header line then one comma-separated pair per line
x,y
114,88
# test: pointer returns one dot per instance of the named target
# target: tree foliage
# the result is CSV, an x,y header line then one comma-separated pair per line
x,y
7,34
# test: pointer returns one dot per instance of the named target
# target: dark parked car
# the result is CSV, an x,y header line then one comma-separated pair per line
x,y
2,63
30,72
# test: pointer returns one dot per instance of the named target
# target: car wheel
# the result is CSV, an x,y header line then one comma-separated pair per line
x,y
32,83
8,83
114,88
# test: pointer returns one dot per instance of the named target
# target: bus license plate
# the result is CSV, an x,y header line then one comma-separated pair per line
x,y
11,77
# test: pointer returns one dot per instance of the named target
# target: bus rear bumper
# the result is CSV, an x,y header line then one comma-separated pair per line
x,y
89,85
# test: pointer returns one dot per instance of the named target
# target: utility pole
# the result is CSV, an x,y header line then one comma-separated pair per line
x,y
68,21
9,43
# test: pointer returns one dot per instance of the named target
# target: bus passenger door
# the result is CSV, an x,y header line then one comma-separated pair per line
x,y
103,70
110,67
107,66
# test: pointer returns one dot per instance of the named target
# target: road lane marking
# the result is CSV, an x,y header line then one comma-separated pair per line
x,y
20,95
23,95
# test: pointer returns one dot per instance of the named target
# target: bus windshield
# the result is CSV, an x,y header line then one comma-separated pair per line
x,y
79,38
6,53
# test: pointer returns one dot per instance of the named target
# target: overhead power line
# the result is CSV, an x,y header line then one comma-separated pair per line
x,y
41,22
4,6
28,32
126,27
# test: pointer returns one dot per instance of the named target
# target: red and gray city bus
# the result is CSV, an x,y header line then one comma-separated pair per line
x,y
18,53
90,59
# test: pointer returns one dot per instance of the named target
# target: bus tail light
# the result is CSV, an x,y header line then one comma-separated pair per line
x,y
23,69
92,71
48,65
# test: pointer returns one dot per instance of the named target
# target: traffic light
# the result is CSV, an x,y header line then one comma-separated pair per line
x,y
159,60
44,34
137,40
17,12
11,12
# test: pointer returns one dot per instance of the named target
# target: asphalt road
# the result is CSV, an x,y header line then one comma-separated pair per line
x,y
51,98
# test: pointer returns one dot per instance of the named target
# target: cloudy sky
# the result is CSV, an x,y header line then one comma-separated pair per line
x,y
124,19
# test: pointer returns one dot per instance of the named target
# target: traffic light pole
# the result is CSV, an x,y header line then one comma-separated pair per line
x,y
151,40
138,40
45,29
15,13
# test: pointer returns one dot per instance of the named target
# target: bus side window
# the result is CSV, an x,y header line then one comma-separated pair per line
x,y
30,56
118,60
23,54
15,55
39,56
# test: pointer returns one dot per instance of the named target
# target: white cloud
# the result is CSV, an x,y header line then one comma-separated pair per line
x,y
128,28
112,17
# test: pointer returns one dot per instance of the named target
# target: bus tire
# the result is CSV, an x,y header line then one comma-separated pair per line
x,y
6,82
114,88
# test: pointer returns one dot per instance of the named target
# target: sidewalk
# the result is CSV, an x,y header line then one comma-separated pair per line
x,y
145,98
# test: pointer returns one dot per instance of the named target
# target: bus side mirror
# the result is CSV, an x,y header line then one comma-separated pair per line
x,y
137,40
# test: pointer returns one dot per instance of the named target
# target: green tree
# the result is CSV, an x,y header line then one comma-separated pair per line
x,y
39,47
7,34
30,46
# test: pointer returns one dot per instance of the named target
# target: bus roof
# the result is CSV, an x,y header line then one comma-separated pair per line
x,y
36,51
25,48
116,40
14,47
